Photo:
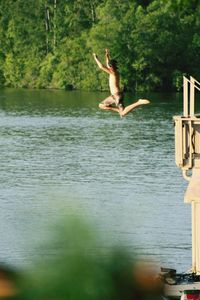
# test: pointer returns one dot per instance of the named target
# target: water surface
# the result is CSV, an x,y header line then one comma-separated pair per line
x,y
59,151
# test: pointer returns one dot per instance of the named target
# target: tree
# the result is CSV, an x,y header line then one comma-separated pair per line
x,y
49,43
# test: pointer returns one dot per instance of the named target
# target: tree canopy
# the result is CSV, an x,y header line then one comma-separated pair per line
x,y
49,43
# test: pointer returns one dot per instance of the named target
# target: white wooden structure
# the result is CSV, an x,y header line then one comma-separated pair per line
x,y
187,156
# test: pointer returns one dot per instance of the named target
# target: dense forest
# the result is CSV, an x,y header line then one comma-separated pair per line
x,y
49,43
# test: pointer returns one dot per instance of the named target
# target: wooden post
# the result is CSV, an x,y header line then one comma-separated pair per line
x,y
185,97
192,196
194,269
192,87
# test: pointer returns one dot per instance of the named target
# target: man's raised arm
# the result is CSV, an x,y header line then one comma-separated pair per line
x,y
100,65
107,57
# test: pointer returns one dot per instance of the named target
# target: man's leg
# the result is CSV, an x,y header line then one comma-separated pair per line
x,y
104,107
107,104
133,106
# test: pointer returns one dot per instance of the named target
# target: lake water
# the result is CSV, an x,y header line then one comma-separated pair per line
x,y
60,153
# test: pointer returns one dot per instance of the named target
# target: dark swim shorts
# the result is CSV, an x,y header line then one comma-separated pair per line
x,y
117,99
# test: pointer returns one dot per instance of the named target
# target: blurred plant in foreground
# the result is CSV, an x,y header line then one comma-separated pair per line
x,y
75,264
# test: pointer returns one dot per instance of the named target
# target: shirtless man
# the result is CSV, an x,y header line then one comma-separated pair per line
x,y
116,96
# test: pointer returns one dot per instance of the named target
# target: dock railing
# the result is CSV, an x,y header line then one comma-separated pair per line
x,y
187,129
189,86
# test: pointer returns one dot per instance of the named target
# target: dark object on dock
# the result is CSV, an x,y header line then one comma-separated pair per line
x,y
176,285
170,276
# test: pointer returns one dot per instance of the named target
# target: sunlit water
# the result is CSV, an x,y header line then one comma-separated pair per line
x,y
60,152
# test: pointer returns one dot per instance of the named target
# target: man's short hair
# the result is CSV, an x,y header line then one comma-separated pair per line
x,y
112,63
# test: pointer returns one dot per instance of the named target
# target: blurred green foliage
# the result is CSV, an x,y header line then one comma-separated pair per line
x,y
49,43
76,263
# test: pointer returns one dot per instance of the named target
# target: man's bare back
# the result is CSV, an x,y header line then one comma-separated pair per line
x,y
114,85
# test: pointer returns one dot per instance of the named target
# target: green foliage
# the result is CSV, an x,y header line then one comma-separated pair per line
x,y
49,44
81,266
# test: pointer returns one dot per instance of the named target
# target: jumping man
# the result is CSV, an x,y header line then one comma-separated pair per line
x,y
116,96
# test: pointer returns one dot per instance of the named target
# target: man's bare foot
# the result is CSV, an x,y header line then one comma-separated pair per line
x,y
143,101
